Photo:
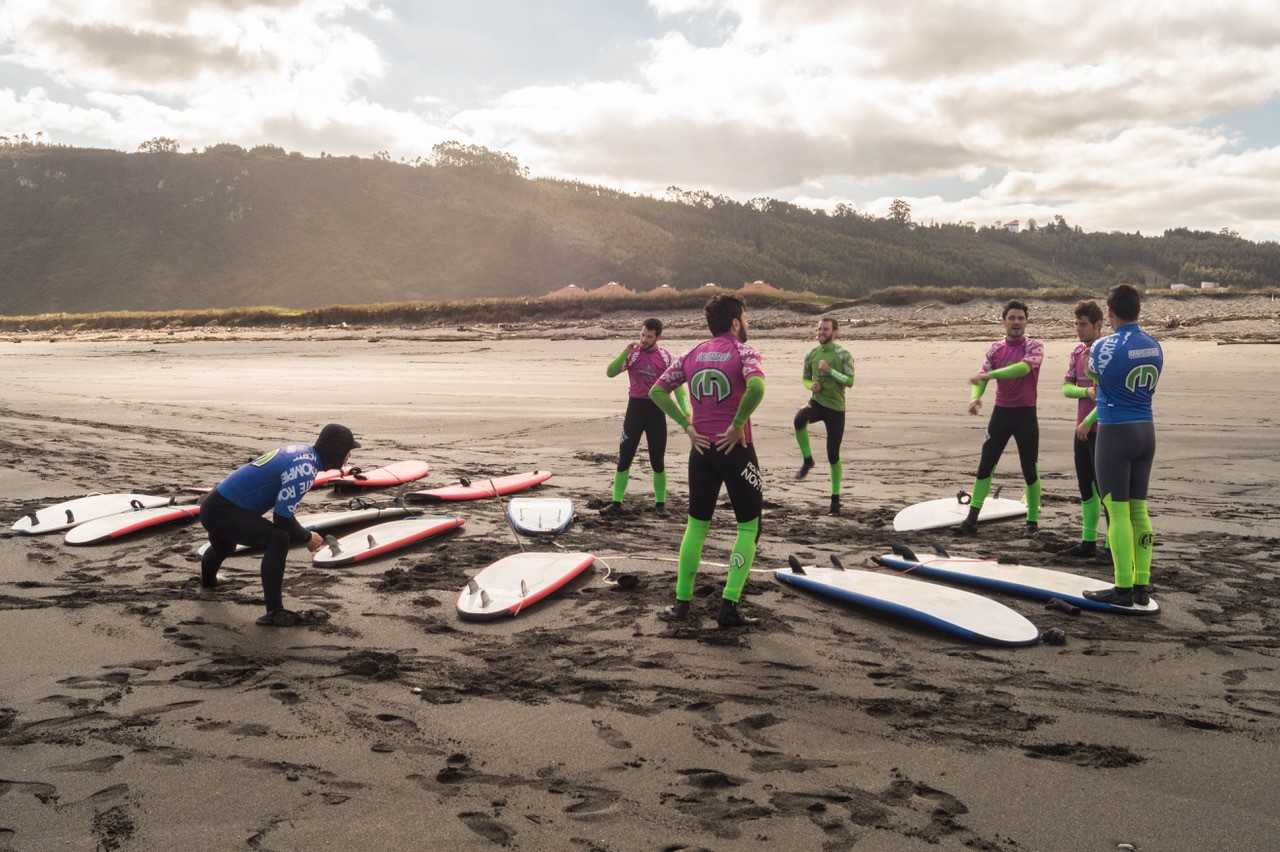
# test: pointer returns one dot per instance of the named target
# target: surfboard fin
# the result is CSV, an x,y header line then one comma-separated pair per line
x,y
466,483
524,589
372,543
472,586
996,493
71,518
334,547
35,519
398,499
485,600
835,560
904,551
940,550
795,564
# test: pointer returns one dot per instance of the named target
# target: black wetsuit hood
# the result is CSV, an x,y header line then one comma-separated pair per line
x,y
334,443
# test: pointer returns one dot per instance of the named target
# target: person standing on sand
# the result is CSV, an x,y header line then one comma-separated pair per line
x,y
1014,363
1126,365
1077,385
233,514
726,384
644,361
828,372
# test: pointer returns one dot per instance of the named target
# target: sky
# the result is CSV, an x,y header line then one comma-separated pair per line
x,y
1116,115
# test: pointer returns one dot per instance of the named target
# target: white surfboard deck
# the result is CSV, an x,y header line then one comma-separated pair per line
x,y
323,521
515,582
536,516
1025,580
949,512
384,538
116,526
64,516
954,611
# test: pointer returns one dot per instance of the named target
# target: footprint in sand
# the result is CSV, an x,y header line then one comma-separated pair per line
x,y
610,735
487,827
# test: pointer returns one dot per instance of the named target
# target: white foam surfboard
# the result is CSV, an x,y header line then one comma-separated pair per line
x,y
100,530
64,516
954,611
536,516
323,521
518,581
949,512
383,538
1025,580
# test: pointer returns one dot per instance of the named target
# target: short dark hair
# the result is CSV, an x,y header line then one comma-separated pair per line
x,y
721,310
653,324
1125,301
1089,309
1014,305
835,323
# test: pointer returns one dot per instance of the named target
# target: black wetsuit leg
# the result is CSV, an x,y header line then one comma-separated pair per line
x,y
1085,476
1021,425
1123,460
229,525
816,412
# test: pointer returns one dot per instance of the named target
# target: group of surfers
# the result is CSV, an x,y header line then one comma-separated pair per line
x,y
711,392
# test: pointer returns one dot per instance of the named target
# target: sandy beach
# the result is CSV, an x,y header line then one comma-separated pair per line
x,y
138,713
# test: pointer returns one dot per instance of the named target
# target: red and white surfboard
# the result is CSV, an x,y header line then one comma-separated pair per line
x,y
479,489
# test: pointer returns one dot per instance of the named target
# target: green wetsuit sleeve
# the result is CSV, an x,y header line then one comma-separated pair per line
x,y
1013,371
682,400
662,398
842,378
808,384
976,391
1090,418
1071,390
751,400
615,366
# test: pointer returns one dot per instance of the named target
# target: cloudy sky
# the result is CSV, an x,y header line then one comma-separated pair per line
x,y
1117,114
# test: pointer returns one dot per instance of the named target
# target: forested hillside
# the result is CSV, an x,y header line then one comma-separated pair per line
x,y
92,230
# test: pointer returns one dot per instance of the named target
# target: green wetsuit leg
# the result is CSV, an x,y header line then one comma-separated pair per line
x,y
837,476
1120,541
620,478
1033,498
1143,541
744,553
1091,511
802,438
981,488
660,486
695,536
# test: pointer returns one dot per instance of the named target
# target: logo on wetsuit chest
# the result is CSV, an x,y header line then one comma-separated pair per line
x,y
709,384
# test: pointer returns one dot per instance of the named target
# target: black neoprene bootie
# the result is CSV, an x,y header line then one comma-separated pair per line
x,y
1115,596
1141,595
1081,550
677,612
731,616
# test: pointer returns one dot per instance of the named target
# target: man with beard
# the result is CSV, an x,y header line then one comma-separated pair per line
x,y
1014,362
726,384
644,361
828,372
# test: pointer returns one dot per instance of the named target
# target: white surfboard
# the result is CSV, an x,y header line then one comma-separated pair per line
x,y
111,527
536,516
960,613
383,538
322,521
1025,580
950,511
511,584
64,516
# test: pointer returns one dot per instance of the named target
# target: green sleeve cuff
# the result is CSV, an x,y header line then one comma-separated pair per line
x,y
663,399
751,400
1013,371
1071,390
976,391
808,384
615,366
1090,418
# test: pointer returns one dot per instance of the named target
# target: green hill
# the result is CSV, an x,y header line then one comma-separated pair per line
x,y
94,230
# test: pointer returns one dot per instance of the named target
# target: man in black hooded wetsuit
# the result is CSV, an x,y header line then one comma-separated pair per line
x,y
233,513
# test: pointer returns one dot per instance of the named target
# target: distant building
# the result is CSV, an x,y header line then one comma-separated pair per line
x,y
1179,286
1209,285
759,287
572,291
613,288
664,288
1013,226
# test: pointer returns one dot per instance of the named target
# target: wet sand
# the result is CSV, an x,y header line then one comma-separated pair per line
x,y
137,712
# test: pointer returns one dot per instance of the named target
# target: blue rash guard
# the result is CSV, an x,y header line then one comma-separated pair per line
x,y
1128,365
277,481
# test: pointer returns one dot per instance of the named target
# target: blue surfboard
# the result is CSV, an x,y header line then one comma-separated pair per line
x,y
966,615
